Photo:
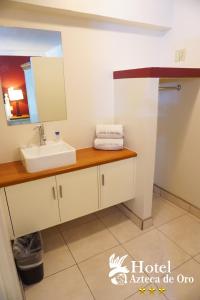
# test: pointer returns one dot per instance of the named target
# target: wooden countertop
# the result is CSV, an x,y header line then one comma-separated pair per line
x,y
14,172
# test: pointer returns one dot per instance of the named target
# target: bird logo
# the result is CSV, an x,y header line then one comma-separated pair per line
x,y
118,273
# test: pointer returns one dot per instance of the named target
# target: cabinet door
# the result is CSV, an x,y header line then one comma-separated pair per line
x,y
117,182
33,205
78,193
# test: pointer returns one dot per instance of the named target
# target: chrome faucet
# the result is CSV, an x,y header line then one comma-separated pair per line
x,y
42,136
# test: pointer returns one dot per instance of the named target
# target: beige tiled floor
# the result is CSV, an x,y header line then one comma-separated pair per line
x,y
153,247
76,255
118,224
57,255
164,211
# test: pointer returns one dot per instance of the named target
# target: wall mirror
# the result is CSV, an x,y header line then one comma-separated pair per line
x,y
32,81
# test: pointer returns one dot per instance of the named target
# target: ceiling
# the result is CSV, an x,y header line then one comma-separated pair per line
x,y
24,41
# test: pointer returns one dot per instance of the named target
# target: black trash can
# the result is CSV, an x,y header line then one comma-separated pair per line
x,y
28,256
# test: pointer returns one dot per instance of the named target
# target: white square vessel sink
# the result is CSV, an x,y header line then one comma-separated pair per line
x,y
51,155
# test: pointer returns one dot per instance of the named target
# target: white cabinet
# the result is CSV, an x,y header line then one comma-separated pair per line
x,y
117,182
42,203
78,193
33,205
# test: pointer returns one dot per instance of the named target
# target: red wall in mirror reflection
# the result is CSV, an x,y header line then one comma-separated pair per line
x,y
12,75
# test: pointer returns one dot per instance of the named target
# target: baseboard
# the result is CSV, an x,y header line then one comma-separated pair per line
x,y
178,201
142,224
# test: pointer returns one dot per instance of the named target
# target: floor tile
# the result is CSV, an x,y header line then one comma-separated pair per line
x,y
66,285
57,256
194,217
184,291
120,226
148,294
78,221
195,211
175,200
197,258
163,211
96,272
153,247
156,195
185,231
88,239
107,211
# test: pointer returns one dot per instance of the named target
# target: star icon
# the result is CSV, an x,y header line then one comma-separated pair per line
x,y
142,290
152,291
162,290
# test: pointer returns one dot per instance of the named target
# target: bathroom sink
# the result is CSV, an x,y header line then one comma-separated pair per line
x,y
51,155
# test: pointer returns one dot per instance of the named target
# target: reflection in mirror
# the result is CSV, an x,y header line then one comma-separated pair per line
x,y
32,75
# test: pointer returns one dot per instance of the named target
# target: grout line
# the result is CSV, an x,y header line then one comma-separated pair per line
x,y
85,281
97,254
76,264
171,220
164,295
120,243
181,264
193,217
138,235
169,202
84,222
174,242
193,258
45,277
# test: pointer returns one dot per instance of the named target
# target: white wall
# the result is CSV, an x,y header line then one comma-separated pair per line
x,y
136,101
185,33
178,147
178,143
92,50
148,12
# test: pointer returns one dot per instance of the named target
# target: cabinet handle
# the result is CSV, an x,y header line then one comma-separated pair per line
x,y
60,191
103,179
54,193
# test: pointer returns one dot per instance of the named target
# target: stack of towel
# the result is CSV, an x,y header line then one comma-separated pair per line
x,y
109,137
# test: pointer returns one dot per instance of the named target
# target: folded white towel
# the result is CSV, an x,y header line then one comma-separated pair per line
x,y
108,144
110,131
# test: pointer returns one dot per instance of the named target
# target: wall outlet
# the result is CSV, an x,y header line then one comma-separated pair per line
x,y
180,55
177,56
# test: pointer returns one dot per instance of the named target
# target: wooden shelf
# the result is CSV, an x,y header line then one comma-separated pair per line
x,y
14,172
155,72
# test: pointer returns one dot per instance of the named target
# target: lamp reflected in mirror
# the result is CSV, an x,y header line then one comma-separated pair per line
x,y
16,95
